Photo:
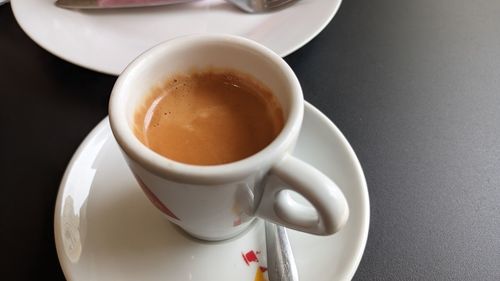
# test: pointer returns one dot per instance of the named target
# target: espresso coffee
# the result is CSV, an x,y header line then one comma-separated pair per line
x,y
208,117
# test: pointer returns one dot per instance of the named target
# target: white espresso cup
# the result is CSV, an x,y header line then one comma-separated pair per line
x,y
219,201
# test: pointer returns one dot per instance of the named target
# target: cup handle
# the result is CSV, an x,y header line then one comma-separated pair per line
x,y
330,210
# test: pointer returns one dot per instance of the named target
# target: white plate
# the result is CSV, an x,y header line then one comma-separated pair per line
x,y
107,41
106,229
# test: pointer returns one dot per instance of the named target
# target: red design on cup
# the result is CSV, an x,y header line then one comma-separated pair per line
x,y
237,221
155,199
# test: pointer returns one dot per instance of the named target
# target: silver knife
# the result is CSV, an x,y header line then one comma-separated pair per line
x,y
100,4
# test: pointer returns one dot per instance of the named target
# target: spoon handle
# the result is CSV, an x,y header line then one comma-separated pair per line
x,y
280,261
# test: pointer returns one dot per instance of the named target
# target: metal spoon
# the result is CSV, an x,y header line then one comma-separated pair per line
x,y
259,6
280,261
250,6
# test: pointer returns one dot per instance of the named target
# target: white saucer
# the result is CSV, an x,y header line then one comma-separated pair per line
x,y
106,229
106,41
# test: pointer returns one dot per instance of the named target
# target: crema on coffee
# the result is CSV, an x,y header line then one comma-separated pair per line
x,y
208,117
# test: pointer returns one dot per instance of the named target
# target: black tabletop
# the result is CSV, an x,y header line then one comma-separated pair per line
x,y
413,85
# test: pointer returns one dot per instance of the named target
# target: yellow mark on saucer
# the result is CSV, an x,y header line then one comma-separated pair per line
x,y
259,275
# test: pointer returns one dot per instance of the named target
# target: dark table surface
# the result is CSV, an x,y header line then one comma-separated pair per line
x,y
413,85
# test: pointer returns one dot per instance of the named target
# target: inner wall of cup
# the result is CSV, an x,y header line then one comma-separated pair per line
x,y
166,60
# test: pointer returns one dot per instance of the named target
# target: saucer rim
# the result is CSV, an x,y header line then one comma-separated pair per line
x,y
365,215
362,179
109,70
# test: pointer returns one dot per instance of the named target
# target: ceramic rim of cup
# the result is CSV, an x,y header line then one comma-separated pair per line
x,y
211,174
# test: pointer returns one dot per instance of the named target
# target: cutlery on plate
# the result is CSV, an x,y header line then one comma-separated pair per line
x,y
250,6
280,261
